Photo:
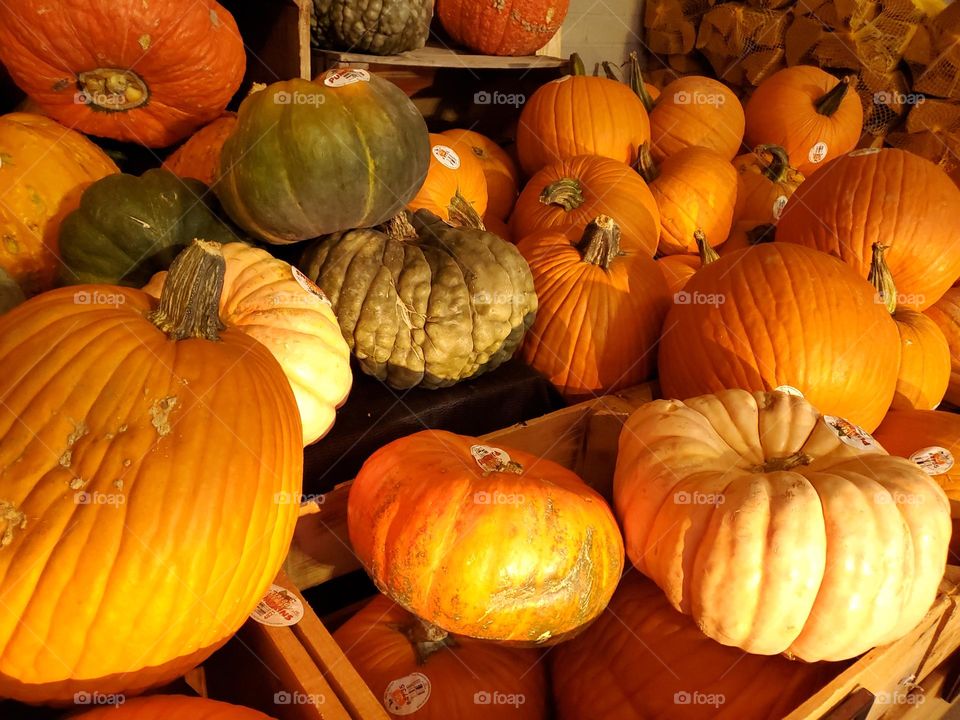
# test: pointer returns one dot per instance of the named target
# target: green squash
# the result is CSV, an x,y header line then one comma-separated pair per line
x,y
11,294
425,304
311,158
127,228
378,27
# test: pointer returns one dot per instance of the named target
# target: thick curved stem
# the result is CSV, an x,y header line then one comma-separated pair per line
x,y
113,89
425,638
576,65
600,242
611,71
828,103
882,279
637,83
190,300
461,213
399,227
707,253
777,166
645,166
565,192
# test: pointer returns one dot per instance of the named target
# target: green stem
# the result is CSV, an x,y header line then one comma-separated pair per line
x,y
829,103
882,278
645,165
565,192
777,166
637,83
576,65
190,300
611,71
600,242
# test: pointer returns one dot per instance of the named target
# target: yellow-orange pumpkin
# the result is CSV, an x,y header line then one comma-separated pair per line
x,y
455,189
499,170
199,156
765,181
946,314
173,707
696,111
930,438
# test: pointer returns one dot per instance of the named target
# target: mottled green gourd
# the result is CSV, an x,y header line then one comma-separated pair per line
x,y
424,303
378,27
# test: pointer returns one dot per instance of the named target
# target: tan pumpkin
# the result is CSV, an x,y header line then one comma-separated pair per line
x,y
946,314
455,189
696,111
499,169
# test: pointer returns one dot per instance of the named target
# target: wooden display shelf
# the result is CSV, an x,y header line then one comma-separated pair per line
x,y
435,56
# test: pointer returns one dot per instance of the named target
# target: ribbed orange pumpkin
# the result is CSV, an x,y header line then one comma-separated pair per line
x,y
455,183
199,157
695,189
515,28
139,476
573,192
173,707
412,670
765,181
696,111
499,170
678,269
284,311
778,529
44,169
147,72
600,312
493,543
931,438
808,112
780,314
642,659
579,115
890,197
946,314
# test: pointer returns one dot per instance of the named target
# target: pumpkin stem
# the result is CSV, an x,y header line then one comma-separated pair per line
x,y
190,300
829,103
399,227
600,242
761,234
645,165
576,65
777,166
882,278
707,253
783,463
112,89
636,81
425,637
611,71
565,192
461,213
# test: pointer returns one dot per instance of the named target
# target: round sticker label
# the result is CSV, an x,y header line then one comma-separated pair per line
x,y
446,156
850,434
818,152
339,78
279,608
788,390
934,460
778,205
491,459
864,151
307,284
406,695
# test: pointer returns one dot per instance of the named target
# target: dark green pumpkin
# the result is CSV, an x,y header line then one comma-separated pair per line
x,y
127,228
378,27
311,158
11,294
425,304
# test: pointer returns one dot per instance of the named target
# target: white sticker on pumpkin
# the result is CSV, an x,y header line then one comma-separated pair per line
x,y
406,695
818,152
933,460
446,156
778,205
309,285
491,459
339,78
788,390
279,608
850,434
864,151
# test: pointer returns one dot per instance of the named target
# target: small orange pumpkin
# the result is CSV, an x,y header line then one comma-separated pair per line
x,y
499,169
498,227
172,707
930,438
678,269
946,314
695,111
765,182
455,189
199,156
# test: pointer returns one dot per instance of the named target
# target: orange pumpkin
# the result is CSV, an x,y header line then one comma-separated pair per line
x,y
642,659
778,529
146,72
930,438
780,314
199,157
492,543
499,170
695,189
44,169
172,707
946,314
808,112
412,670
498,227
455,189
765,181
502,29
573,192
572,116
696,111
600,311
678,269
890,197
283,310
125,425
746,235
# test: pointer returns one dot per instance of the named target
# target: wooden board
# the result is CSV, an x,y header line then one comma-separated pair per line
x,y
435,56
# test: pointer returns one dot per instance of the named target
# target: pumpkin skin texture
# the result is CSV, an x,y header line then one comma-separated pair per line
x,y
573,192
946,314
601,312
515,28
802,108
381,28
641,654
745,331
426,305
186,61
293,170
167,429
677,270
37,195
571,116
695,111
904,432
199,157
385,643
776,533
499,170
276,305
890,197
127,228
166,707
453,182
519,551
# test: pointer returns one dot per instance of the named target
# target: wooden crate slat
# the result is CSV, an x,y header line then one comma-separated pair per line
x,y
435,56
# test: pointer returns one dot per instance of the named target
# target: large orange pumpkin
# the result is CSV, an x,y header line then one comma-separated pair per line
x,y
455,189
199,157
642,659
946,314
778,529
44,169
148,72
808,112
172,707
499,170
574,191
890,197
580,115
514,28
413,671
930,438
493,543
696,111
778,314
142,452
600,310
